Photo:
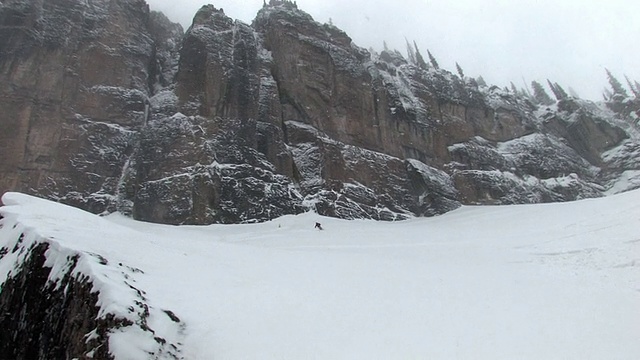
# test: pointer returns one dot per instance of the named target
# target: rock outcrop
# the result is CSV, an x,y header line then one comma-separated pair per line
x,y
58,302
45,321
108,106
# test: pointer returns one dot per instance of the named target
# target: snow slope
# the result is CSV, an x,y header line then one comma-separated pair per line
x,y
548,281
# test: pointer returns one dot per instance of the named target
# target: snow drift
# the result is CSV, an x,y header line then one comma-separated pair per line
x,y
522,281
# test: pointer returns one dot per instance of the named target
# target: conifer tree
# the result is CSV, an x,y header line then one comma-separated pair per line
x,y
563,94
480,81
411,52
616,86
460,72
525,89
419,59
634,90
514,89
385,46
553,89
557,90
432,59
540,95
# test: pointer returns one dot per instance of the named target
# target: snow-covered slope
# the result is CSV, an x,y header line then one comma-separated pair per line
x,y
552,281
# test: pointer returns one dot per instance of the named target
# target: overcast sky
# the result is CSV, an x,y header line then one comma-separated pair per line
x,y
567,41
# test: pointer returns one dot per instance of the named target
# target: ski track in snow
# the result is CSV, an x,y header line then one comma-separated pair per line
x,y
548,281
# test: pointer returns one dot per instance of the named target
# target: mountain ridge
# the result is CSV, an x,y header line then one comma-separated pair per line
x,y
235,122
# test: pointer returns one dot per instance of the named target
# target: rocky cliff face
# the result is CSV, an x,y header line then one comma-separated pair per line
x,y
76,77
108,106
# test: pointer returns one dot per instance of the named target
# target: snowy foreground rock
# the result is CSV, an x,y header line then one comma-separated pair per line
x,y
552,281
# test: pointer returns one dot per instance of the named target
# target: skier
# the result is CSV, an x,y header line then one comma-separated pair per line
x,y
318,226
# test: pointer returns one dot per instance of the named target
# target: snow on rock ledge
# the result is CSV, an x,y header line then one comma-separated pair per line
x,y
64,296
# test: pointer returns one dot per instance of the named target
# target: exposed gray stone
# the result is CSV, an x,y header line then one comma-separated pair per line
x,y
232,122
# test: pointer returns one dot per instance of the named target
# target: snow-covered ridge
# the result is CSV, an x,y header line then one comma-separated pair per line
x,y
79,249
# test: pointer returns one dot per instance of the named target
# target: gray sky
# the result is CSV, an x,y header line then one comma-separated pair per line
x,y
567,41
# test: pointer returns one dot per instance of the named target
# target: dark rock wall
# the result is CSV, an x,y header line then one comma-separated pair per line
x,y
109,107
43,321
74,83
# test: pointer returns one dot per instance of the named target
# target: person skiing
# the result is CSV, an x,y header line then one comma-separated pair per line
x,y
318,226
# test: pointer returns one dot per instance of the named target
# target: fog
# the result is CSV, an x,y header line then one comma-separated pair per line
x,y
567,41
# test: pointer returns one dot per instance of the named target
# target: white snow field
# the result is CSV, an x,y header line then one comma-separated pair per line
x,y
550,281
